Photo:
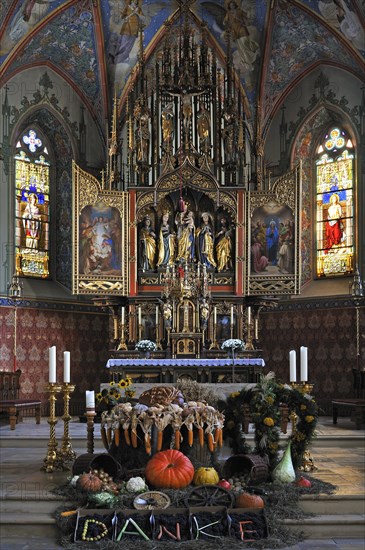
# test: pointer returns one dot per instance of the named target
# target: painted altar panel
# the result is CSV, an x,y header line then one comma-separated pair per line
x,y
273,241
100,234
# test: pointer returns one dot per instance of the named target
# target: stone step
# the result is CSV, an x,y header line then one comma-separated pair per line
x,y
327,526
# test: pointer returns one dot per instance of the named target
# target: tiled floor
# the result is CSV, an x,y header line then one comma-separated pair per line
x,y
338,453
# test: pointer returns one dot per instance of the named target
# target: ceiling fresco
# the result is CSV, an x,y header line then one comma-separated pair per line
x,y
94,45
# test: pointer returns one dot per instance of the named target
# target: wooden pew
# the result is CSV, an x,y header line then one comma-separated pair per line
x,y
9,398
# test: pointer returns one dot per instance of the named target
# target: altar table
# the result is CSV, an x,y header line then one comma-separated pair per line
x,y
246,370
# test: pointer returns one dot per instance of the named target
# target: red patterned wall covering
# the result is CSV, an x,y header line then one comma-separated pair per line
x,y
85,335
329,334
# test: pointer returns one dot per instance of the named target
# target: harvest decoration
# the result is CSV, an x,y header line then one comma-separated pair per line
x,y
113,395
206,476
124,420
263,403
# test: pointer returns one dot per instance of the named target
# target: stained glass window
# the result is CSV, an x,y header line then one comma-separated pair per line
x,y
31,206
335,192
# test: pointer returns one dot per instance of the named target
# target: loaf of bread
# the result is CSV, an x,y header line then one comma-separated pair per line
x,y
161,395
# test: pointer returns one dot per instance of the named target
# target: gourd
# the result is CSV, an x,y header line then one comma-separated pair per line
x,y
284,472
90,483
169,469
246,500
206,476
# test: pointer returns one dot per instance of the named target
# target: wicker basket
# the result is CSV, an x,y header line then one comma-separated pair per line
x,y
253,465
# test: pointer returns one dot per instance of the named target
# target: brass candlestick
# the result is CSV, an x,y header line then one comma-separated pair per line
x,y
122,344
214,344
158,341
66,453
140,329
51,462
90,415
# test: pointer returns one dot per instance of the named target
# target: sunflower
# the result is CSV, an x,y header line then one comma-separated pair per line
x,y
123,383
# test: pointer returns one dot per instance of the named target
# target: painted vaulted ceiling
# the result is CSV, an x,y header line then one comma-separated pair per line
x,y
93,44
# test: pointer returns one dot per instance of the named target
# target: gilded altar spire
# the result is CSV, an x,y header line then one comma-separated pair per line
x,y
112,165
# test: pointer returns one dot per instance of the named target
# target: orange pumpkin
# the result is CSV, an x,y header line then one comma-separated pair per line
x,y
169,469
246,500
89,483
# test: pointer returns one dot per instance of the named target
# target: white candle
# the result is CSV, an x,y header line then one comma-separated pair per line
x,y
232,315
90,399
123,315
66,367
293,365
215,315
249,316
139,315
156,316
52,365
303,364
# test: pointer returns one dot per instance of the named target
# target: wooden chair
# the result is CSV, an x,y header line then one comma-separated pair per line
x,y
356,405
9,398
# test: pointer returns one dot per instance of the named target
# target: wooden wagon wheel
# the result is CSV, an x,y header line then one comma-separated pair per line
x,y
209,495
151,500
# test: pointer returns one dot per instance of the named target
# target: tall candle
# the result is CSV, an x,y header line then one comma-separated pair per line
x,y
232,315
303,364
249,316
123,315
215,315
156,316
52,365
139,315
293,365
90,399
66,367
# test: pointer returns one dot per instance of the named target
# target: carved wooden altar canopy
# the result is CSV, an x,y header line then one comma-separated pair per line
x,y
182,238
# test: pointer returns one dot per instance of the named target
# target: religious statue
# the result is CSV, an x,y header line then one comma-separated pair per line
x,y
147,239
203,123
167,314
167,122
32,222
223,246
204,314
205,240
143,138
185,234
166,244
230,136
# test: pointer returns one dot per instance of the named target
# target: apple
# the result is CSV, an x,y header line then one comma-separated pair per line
x,y
303,482
225,484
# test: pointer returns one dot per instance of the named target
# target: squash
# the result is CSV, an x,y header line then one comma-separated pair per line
x,y
169,469
246,500
89,483
206,476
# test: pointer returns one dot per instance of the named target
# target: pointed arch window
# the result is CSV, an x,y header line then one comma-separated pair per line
x,y
335,214
32,184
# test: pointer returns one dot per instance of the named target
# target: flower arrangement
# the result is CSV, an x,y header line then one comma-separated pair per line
x,y
146,345
233,344
112,396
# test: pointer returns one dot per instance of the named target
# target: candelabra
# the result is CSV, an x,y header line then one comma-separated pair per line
x,y
158,341
90,415
307,464
66,453
51,461
122,343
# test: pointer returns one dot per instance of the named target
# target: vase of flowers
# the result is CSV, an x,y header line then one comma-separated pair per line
x,y
233,345
145,347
